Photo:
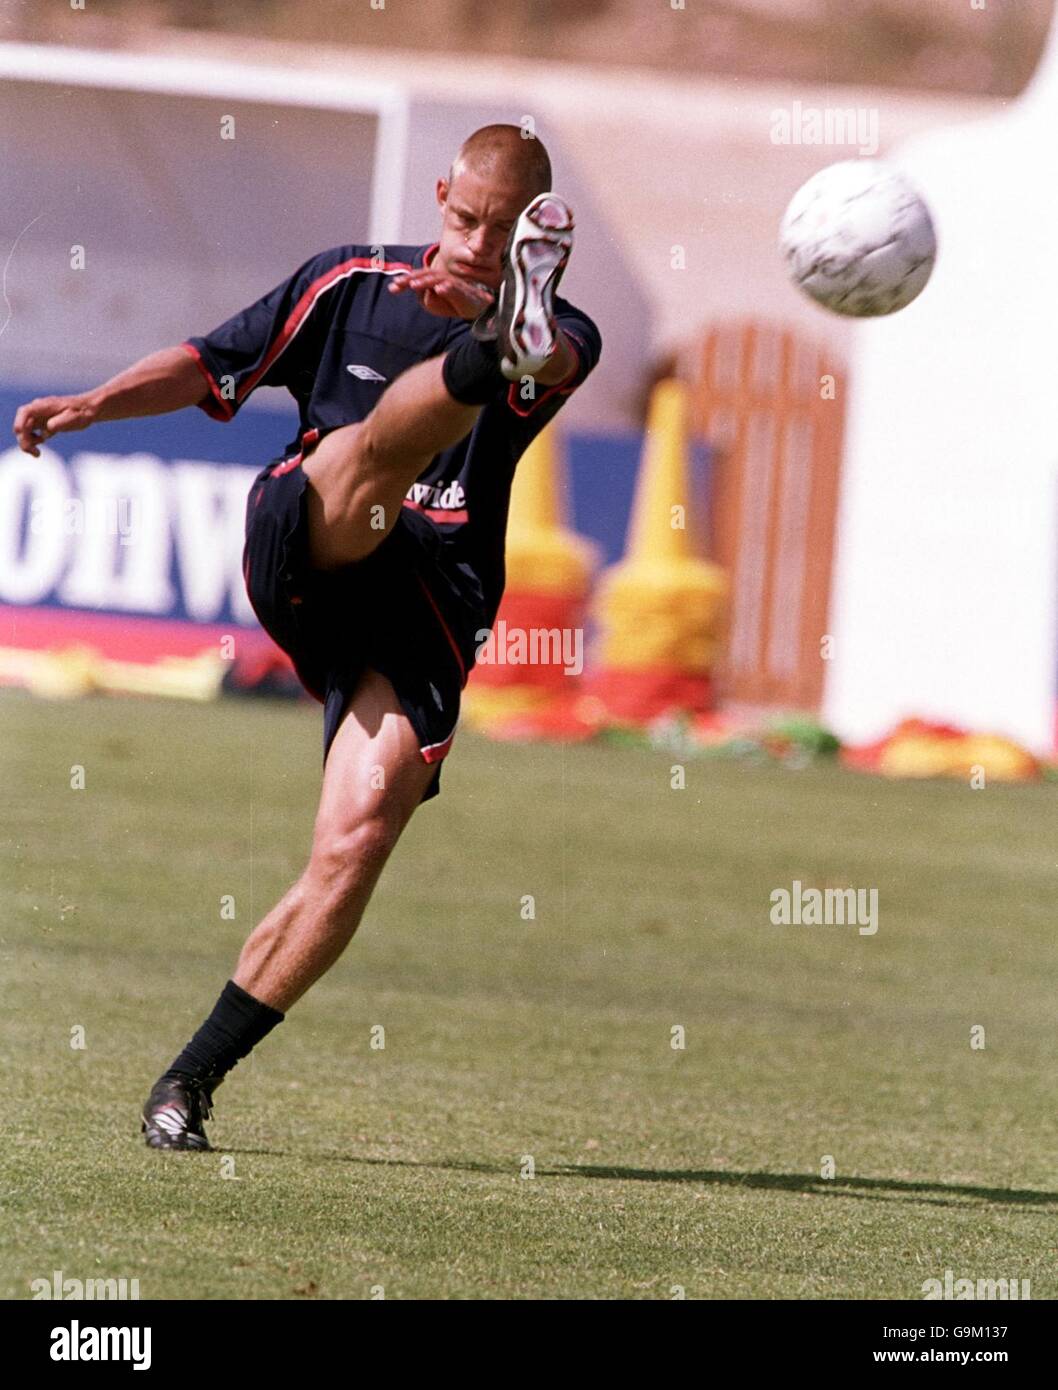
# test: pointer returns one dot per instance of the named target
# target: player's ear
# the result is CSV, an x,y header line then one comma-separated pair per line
x,y
442,192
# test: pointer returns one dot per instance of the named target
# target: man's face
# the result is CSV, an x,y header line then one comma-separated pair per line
x,y
478,212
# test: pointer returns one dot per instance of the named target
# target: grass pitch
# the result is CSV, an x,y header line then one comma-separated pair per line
x,y
515,1046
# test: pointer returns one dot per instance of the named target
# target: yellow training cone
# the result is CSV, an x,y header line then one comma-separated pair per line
x,y
659,529
531,664
660,609
543,555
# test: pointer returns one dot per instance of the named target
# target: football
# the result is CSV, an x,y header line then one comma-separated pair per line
x,y
858,238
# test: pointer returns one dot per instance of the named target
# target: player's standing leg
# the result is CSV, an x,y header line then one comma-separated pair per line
x,y
357,825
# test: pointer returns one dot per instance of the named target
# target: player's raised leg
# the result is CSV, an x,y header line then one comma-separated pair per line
x,y
374,779
359,474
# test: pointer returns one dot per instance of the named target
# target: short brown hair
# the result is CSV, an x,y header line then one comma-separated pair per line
x,y
521,155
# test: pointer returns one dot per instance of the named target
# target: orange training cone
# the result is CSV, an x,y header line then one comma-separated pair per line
x,y
529,669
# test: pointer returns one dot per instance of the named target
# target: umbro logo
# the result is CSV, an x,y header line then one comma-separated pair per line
x,y
364,373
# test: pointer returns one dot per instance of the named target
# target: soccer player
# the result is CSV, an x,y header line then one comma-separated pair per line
x,y
375,545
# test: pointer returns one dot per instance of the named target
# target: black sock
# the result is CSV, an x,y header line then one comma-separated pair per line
x,y
234,1028
471,372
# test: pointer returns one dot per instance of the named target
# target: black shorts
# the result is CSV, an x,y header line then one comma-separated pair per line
x,y
380,614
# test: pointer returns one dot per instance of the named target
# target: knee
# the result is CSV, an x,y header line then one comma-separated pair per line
x,y
369,451
342,855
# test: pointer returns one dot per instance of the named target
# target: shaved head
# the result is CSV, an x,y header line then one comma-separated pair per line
x,y
504,154
496,174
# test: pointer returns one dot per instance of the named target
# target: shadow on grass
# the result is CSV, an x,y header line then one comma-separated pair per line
x,y
877,1189
810,1183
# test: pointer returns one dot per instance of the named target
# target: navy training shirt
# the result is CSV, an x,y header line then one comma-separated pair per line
x,y
335,337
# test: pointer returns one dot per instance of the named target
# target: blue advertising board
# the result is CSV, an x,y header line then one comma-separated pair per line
x,y
145,517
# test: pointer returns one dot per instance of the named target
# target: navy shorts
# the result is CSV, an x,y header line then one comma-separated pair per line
x,y
380,614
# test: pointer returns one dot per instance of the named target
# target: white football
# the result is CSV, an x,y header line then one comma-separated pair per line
x,y
858,239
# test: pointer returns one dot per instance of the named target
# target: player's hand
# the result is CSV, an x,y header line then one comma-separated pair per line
x,y
442,293
48,415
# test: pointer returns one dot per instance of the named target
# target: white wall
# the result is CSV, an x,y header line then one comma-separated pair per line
x,y
180,228
651,161
944,599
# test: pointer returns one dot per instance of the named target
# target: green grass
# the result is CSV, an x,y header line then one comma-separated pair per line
x,y
504,1038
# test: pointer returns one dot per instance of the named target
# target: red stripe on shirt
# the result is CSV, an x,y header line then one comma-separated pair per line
x,y
560,386
447,631
304,306
219,407
308,439
438,513
434,752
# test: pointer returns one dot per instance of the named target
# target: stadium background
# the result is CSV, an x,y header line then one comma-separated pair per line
x,y
108,122
925,550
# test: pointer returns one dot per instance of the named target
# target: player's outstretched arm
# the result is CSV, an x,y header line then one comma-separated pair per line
x,y
164,381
